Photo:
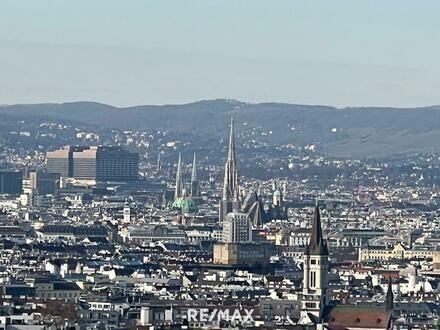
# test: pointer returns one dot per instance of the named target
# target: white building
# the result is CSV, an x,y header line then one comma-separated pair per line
x,y
237,228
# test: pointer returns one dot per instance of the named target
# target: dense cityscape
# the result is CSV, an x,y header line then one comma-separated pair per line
x,y
124,232
219,164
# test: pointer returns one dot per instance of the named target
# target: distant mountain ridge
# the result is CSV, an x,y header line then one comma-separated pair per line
x,y
347,132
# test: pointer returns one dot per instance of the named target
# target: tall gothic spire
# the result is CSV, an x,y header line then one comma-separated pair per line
x,y
230,183
179,181
231,151
195,188
317,245
194,170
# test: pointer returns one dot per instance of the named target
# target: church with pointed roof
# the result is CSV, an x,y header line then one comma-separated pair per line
x,y
230,200
317,310
315,295
182,202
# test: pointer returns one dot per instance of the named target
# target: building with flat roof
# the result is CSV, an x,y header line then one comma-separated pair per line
x,y
242,253
98,163
44,183
237,228
10,182
61,161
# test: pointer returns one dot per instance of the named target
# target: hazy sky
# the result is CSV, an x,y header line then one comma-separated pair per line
x,y
153,52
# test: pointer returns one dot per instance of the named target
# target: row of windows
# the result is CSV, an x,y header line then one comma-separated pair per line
x,y
316,262
58,295
312,305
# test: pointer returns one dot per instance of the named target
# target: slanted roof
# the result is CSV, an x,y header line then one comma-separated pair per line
x,y
361,317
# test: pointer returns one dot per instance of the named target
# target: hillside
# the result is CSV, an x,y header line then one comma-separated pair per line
x,y
348,132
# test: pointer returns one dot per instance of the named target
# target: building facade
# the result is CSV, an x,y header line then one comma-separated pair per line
x,y
397,251
237,228
10,182
242,253
98,163
61,161
44,183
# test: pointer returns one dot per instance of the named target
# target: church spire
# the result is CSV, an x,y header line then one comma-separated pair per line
x,y
317,244
195,188
231,151
194,170
179,181
315,282
230,183
389,300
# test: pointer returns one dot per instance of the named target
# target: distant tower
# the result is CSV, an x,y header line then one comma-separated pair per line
x,y
277,197
230,197
285,188
278,209
274,185
127,212
212,181
159,163
195,187
178,192
170,172
389,300
315,291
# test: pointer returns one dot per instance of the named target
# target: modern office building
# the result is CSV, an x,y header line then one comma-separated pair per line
x,y
237,228
10,182
44,183
116,164
61,161
94,163
84,164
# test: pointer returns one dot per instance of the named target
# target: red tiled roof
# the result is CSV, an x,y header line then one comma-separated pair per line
x,y
343,317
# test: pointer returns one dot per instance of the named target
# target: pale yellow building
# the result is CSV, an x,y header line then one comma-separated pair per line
x,y
398,251
242,253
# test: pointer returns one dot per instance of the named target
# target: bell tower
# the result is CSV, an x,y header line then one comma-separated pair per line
x,y
315,283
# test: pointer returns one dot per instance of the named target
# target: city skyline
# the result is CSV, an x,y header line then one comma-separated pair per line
x,y
256,196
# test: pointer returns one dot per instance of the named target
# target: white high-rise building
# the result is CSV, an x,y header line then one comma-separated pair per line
x,y
237,228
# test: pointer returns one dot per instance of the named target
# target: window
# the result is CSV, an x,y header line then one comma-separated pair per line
x,y
312,278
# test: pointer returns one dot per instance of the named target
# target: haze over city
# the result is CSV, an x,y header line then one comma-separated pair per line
x,y
267,165
339,53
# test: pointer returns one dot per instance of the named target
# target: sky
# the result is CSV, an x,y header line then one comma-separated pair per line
x,y
340,53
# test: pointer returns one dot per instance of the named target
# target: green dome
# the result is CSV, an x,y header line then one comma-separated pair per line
x,y
184,205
